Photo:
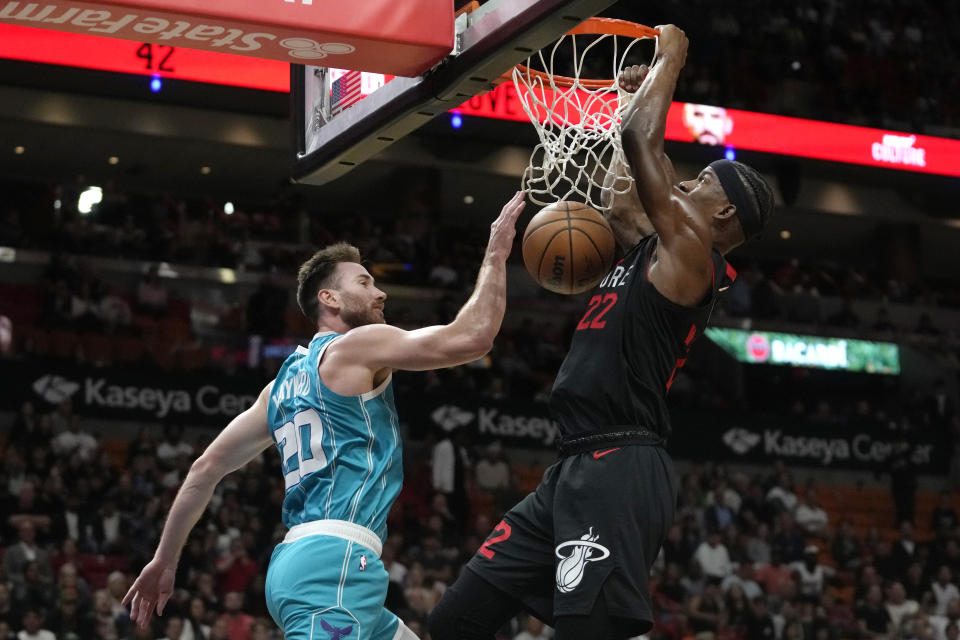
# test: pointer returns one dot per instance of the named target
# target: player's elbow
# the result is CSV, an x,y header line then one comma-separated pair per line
x,y
208,468
638,139
473,347
466,342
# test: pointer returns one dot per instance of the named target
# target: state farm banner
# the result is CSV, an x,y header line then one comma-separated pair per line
x,y
698,436
399,38
117,393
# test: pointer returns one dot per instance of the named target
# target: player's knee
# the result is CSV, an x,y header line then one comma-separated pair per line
x,y
450,620
442,622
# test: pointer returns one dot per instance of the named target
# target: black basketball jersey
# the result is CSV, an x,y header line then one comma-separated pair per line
x,y
627,348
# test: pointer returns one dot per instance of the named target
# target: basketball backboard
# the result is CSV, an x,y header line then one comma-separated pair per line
x,y
488,42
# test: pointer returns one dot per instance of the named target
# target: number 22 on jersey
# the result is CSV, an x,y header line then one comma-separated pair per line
x,y
598,307
300,442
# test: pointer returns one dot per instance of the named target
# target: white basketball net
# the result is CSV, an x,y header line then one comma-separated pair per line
x,y
579,128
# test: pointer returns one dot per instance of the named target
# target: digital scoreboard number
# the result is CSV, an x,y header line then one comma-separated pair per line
x,y
154,60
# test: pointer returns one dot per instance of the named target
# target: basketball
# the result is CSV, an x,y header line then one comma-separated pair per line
x,y
568,247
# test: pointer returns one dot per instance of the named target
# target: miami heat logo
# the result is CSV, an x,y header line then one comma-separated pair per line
x,y
570,568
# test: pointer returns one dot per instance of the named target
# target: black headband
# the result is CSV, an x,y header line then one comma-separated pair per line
x,y
746,212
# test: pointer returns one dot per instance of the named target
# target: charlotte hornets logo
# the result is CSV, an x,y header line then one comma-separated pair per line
x,y
570,568
335,633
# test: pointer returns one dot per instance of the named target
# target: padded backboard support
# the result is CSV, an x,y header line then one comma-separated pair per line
x,y
489,41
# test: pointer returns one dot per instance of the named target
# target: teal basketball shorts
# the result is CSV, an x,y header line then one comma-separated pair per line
x,y
324,584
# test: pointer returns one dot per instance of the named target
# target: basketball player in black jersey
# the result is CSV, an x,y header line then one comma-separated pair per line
x,y
577,552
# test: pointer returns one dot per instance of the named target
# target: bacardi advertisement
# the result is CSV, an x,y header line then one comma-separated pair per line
x,y
764,347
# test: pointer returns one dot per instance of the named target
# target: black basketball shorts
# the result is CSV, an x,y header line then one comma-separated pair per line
x,y
594,525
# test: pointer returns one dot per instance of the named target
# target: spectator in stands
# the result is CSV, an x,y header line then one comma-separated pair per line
x,y
145,444
811,576
916,584
33,627
450,464
56,306
28,507
173,629
33,590
433,560
152,296
106,623
743,578
846,547
713,557
719,513
73,439
905,551
939,407
194,623
677,548
62,416
903,479
114,311
773,576
26,551
758,545
82,312
754,508
205,590
706,612
236,568
419,592
944,516
872,616
759,623
944,591
533,629
70,620
788,538
942,622
839,616
898,606
173,445
110,528
238,623
117,585
809,516
781,494
493,474
69,581
24,427
8,613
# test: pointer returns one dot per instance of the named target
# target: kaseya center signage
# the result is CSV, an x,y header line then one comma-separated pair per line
x,y
131,395
763,347
696,435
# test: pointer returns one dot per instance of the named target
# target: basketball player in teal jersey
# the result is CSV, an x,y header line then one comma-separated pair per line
x,y
331,414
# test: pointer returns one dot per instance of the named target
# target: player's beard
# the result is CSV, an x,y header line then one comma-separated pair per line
x,y
356,313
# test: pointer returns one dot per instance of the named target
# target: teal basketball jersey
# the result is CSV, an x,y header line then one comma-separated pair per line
x,y
341,455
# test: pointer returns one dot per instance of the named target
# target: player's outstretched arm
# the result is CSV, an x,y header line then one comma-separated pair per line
x,y
684,244
244,438
468,337
622,207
